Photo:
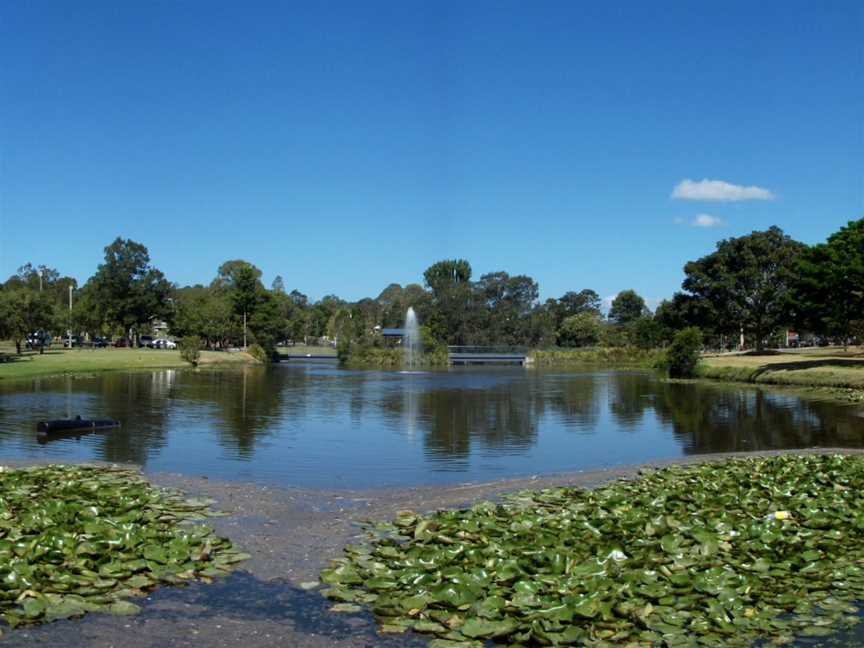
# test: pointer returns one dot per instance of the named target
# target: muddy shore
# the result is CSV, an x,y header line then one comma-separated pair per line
x,y
291,534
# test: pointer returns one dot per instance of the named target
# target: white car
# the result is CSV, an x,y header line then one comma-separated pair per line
x,y
163,343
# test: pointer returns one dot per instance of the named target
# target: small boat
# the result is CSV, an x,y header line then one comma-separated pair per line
x,y
79,425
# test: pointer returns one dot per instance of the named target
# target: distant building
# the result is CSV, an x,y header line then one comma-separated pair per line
x,y
393,333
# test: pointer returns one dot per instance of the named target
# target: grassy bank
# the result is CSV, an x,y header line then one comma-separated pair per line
x,y
819,368
626,356
58,361
302,350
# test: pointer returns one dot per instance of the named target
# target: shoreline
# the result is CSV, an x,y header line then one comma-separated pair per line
x,y
93,362
291,534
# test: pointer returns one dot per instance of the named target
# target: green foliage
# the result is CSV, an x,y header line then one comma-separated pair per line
x,y
735,551
615,336
619,356
582,329
683,355
259,353
126,290
747,282
23,311
627,307
190,349
828,294
360,357
80,539
647,333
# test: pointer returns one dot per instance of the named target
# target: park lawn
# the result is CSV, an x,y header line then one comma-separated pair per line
x,y
301,350
59,361
828,367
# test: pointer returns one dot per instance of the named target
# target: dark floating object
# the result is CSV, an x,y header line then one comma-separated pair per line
x,y
78,425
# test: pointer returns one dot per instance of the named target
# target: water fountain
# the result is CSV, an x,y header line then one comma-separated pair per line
x,y
412,345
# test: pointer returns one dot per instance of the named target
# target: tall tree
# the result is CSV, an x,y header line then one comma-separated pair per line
x,y
627,307
584,301
241,282
24,311
128,290
452,295
829,291
747,281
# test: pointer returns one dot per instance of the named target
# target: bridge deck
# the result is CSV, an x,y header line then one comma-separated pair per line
x,y
487,355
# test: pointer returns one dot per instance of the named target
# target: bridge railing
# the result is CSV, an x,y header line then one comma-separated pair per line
x,y
487,350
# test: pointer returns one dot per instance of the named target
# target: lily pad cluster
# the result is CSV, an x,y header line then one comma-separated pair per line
x,y
76,539
720,554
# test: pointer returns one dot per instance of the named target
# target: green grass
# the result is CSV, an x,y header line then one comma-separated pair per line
x,y
58,361
629,356
304,349
833,368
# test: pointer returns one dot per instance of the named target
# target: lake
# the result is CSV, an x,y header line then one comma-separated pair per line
x,y
312,424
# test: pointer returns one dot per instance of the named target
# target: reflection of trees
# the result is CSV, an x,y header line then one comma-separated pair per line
x,y
451,420
498,418
630,397
247,402
140,402
574,397
719,419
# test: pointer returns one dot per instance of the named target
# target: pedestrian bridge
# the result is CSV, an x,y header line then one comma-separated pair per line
x,y
468,355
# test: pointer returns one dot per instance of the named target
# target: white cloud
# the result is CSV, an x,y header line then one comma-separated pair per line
x,y
701,220
718,191
707,220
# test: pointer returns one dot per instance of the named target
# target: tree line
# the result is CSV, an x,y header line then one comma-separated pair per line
x,y
753,286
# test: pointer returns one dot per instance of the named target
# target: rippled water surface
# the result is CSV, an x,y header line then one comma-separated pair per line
x,y
315,425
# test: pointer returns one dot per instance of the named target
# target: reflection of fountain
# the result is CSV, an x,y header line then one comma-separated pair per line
x,y
412,346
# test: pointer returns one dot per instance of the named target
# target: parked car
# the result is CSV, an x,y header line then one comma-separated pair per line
x,y
145,341
163,343
121,342
100,342
39,339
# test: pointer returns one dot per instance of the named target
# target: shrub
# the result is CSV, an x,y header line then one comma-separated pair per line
x,y
259,353
683,355
582,329
190,349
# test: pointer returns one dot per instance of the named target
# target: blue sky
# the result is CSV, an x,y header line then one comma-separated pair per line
x,y
347,145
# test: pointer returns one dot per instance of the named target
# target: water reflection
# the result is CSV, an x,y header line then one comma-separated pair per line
x,y
317,425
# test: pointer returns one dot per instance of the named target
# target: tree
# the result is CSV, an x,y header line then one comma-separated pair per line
x,y
241,282
828,294
509,303
443,276
747,281
582,329
627,307
190,349
683,355
573,303
127,290
452,295
22,312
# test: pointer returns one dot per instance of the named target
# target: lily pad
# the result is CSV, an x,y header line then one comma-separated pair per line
x,y
78,539
737,551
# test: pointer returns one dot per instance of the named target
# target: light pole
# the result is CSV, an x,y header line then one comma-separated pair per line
x,y
70,316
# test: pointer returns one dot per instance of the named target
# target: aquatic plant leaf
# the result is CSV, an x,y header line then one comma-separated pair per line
x,y
78,539
725,553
